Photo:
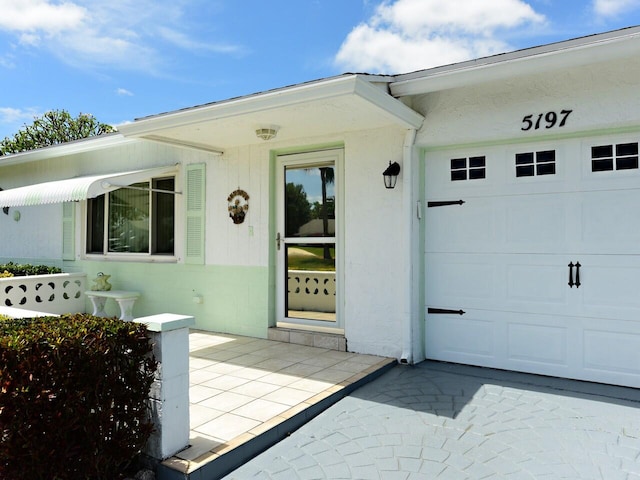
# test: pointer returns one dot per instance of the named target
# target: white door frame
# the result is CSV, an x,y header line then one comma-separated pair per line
x,y
317,158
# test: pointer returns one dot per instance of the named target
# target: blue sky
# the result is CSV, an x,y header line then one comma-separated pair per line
x,y
124,59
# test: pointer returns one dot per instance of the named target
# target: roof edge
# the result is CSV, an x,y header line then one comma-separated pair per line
x,y
361,85
575,52
69,148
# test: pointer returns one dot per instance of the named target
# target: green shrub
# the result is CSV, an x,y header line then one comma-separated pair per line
x,y
20,270
73,396
4,317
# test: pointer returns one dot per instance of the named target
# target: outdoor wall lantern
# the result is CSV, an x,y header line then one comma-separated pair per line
x,y
267,133
391,174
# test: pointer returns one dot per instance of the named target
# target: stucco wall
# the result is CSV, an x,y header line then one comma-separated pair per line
x,y
602,96
375,262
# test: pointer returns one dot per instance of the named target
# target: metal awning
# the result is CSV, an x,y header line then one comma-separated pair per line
x,y
78,188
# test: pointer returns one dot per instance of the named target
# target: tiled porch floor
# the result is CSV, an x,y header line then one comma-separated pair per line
x,y
243,387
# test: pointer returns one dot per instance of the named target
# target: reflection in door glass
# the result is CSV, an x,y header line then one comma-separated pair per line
x,y
310,202
311,281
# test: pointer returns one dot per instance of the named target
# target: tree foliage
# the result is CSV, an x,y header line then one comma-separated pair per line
x,y
53,128
298,208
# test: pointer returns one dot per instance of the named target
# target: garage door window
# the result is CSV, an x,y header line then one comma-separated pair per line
x,y
530,164
623,156
471,168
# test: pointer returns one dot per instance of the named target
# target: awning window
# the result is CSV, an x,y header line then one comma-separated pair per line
x,y
78,188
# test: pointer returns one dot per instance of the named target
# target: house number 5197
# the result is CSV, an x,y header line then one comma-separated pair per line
x,y
546,120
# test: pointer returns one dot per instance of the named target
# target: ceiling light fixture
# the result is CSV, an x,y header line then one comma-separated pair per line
x,y
267,133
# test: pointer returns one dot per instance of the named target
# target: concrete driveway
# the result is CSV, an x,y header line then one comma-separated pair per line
x,y
444,421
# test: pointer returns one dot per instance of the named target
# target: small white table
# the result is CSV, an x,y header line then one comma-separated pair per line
x,y
125,300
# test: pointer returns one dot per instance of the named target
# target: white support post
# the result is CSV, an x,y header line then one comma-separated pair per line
x,y
169,396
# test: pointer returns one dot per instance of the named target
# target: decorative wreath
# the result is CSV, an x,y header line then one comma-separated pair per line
x,y
238,205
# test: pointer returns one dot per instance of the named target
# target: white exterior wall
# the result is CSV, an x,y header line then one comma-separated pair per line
x,y
602,96
35,224
376,277
246,244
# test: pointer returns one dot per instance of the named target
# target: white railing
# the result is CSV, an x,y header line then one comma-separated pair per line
x,y
312,290
57,293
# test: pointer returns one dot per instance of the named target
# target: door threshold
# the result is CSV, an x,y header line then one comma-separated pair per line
x,y
321,337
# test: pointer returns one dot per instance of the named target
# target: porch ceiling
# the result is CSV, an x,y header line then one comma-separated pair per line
x,y
327,107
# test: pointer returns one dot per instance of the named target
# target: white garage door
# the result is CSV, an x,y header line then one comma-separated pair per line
x,y
543,258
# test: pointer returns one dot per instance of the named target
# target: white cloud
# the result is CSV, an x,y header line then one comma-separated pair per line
x,y
182,40
406,35
7,61
15,119
125,34
612,8
124,92
40,15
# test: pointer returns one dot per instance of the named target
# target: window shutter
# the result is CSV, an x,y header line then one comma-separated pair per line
x,y
195,221
68,230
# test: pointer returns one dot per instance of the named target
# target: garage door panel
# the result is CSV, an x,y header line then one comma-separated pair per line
x,y
469,227
610,222
609,287
511,224
525,341
536,284
535,224
509,282
608,353
455,280
467,338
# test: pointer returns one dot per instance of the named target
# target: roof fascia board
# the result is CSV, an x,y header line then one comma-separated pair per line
x,y
180,144
572,53
240,106
304,93
64,149
397,111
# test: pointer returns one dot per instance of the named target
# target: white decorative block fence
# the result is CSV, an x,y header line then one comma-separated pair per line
x,y
312,290
57,293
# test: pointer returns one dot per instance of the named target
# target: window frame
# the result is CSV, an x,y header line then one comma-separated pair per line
x,y
615,157
536,163
150,254
469,166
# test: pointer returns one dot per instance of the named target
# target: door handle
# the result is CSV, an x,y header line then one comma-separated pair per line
x,y
571,284
278,240
577,282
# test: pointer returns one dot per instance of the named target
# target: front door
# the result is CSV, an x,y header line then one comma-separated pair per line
x,y
306,245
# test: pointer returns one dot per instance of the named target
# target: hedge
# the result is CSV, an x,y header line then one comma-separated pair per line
x,y
73,396
20,270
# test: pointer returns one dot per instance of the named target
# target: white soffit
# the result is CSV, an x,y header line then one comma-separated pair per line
x,y
78,188
562,55
349,102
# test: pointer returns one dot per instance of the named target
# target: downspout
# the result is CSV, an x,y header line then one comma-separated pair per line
x,y
411,218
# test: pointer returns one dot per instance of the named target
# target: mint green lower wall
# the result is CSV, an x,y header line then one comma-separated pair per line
x,y
234,299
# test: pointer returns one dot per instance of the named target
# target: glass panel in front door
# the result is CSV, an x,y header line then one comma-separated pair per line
x,y
310,243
